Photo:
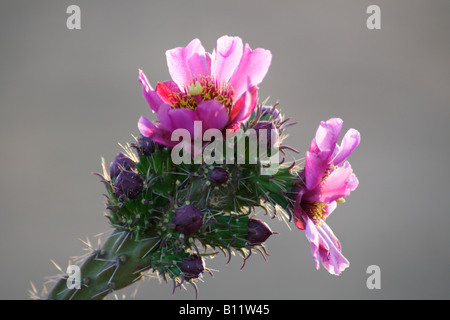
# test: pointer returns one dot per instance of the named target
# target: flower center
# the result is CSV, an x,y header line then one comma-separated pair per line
x,y
201,90
316,211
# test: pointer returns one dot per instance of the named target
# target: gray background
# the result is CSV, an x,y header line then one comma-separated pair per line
x,y
69,97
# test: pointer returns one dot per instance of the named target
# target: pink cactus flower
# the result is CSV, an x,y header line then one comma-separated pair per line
x,y
326,179
218,89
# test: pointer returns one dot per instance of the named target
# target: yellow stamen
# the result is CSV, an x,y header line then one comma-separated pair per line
x,y
317,211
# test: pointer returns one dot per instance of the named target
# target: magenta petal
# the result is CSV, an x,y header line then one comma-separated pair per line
x,y
312,234
299,214
337,185
326,138
244,106
178,62
146,127
330,254
184,118
314,170
253,65
212,114
149,94
198,66
325,247
166,90
164,118
353,182
226,58
154,130
348,145
173,119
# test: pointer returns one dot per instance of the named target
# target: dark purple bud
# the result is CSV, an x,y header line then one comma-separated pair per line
x,y
187,219
145,145
120,163
219,176
128,184
192,266
258,232
270,110
269,129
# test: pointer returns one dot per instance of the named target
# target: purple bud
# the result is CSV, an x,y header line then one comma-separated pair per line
x,y
192,266
266,127
258,232
145,145
270,110
187,219
128,184
219,176
121,162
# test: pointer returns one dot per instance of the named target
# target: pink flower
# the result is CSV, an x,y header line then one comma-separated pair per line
x,y
218,89
322,183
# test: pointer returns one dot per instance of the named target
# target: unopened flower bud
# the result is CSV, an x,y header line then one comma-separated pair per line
x,y
187,219
270,110
219,175
258,232
128,184
120,163
270,130
192,266
145,145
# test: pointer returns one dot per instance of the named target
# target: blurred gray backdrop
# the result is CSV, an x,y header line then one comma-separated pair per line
x,y
68,97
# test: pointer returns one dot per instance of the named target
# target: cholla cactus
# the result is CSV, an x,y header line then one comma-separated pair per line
x,y
168,216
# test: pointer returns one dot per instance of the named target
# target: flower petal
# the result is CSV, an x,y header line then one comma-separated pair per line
x,y
226,59
173,119
213,114
198,66
330,254
337,185
348,145
326,138
154,130
178,62
253,66
146,127
149,94
244,106
166,91
314,170
312,234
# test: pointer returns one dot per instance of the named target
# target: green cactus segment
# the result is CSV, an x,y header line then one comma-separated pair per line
x,y
119,263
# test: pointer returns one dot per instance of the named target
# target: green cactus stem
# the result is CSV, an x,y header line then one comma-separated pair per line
x,y
118,264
